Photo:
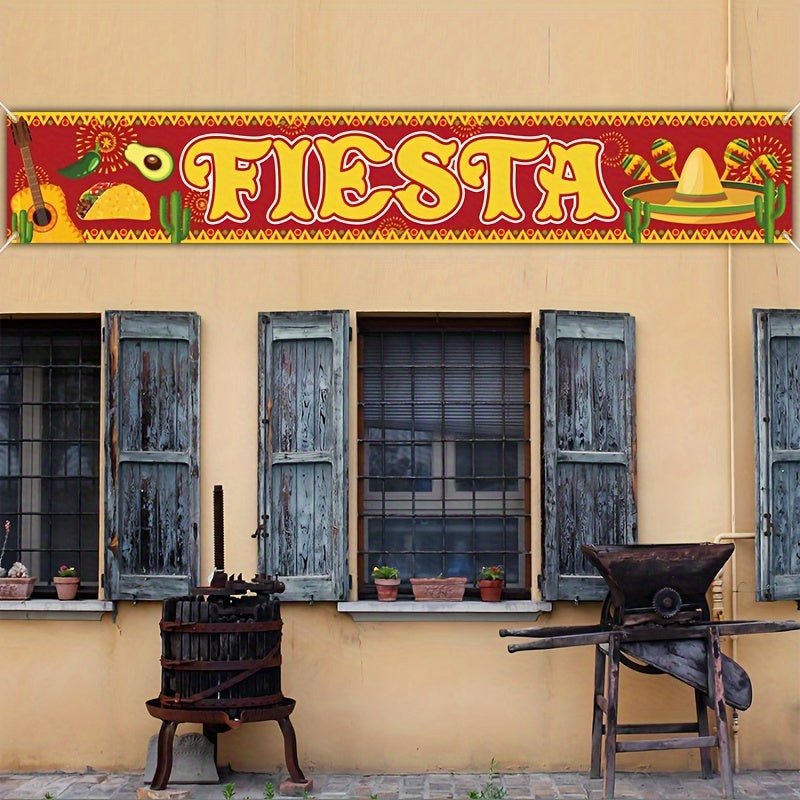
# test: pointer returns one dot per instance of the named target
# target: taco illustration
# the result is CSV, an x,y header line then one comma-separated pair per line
x,y
113,201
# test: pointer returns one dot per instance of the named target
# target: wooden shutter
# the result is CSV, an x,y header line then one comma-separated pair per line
x,y
303,451
777,428
588,445
152,422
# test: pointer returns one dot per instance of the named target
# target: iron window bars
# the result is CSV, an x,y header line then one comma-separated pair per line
x,y
50,446
444,448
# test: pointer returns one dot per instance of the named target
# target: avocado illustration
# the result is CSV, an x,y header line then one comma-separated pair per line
x,y
155,163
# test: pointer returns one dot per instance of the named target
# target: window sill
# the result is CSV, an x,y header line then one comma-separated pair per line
x,y
467,610
83,610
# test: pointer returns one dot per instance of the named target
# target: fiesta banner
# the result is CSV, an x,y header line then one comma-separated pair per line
x,y
478,177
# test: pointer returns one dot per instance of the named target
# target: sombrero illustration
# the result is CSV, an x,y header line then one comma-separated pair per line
x,y
699,196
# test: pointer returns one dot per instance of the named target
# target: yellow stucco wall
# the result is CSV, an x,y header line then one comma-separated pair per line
x,y
418,695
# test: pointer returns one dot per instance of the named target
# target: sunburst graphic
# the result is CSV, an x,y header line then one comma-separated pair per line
x,y
464,128
615,148
21,179
197,202
392,224
292,127
765,145
110,138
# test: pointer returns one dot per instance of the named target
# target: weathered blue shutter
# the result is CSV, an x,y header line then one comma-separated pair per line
x,y
303,451
152,423
588,445
777,424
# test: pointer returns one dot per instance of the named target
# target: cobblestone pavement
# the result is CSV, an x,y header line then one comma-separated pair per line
x,y
555,786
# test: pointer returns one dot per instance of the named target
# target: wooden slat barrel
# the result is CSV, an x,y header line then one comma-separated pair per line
x,y
221,653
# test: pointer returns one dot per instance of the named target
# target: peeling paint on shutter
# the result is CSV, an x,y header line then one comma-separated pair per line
x,y
303,451
588,445
152,423
777,429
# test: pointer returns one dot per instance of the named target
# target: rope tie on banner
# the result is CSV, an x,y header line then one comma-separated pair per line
x,y
788,115
8,241
11,115
792,242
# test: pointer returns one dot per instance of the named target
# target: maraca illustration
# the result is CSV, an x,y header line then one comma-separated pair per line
x,y
736,154
637,168
763,167
663,151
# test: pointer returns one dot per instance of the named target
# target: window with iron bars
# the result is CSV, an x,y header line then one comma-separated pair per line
x,y
50,447
444,449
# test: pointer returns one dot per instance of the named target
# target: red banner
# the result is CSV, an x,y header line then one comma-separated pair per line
x,y
605,177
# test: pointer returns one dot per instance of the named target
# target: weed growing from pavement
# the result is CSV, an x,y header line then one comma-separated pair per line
x,y
492,789
269,791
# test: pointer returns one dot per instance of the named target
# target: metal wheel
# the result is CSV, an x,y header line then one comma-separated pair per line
x,y
610,615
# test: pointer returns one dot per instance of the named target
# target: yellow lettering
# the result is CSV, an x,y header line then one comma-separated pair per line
x,y
228,168
423,159
575,173
488,162
290,179
345,191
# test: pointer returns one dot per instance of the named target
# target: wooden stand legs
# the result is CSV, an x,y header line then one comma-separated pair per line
x,y
606,704
290,751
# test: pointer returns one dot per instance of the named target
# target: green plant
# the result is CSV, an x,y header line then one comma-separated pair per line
x,y
493,573
176,223
66,572
637,220
228,791
22,226
269,791
49,796
492,789
385,573
769,207
307,796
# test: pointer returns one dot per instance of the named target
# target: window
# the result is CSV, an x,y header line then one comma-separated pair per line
x,y
588,445
777,373
443,466
50,447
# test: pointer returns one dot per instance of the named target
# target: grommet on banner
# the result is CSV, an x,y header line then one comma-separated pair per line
x,y
11,115
788,115
791,241
14,236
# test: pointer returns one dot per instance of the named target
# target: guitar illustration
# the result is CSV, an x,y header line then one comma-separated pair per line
x,y
45,204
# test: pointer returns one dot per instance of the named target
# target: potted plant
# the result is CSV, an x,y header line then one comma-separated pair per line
x,y
66,582
490,583
386,580
441,588
17,584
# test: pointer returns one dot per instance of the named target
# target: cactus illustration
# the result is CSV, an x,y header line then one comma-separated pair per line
x,y
22,226
176,224
769,208
637,220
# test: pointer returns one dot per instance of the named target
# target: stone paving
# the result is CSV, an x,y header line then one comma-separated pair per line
x,y
435,786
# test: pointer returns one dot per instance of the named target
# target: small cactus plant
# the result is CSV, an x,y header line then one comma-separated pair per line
x,y
769,207
637,220
22,226
176,222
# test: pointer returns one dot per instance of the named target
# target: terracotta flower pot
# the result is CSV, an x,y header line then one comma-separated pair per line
x,y
449,589
16,588
491,590
387,588
67,588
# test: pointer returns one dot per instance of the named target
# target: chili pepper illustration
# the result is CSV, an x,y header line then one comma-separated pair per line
x,y
85,165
